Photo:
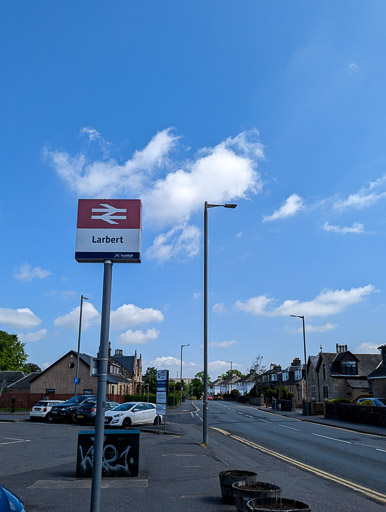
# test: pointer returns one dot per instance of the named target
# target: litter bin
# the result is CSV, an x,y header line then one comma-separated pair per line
x,y
120,453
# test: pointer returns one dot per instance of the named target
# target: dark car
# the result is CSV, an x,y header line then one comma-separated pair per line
x,y
87,411
67,411
9,502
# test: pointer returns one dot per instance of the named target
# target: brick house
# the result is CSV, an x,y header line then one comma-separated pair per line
x,y
343,374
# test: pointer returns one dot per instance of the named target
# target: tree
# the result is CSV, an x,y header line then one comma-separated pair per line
x,y
197,384
230,373
12,354
31,367
151,378
257,367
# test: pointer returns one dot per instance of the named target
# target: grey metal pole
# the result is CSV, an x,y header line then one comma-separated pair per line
x,y
102,384
205,402
82,298
305,361
181,376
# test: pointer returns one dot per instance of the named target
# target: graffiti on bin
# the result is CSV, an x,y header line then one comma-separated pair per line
x,y
114,463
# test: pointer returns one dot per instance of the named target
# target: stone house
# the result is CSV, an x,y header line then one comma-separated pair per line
x,y
378,376
343,374
22,385
10,376
129,367
293,378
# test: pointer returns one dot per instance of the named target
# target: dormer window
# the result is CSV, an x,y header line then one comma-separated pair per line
x,y
285,376
349,368
298,374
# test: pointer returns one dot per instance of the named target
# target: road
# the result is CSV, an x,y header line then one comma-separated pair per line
x,y
349,458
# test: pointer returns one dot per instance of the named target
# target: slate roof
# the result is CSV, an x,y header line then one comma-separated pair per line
x,y
126,361
378,373
366,362
24,382
358,383
11,376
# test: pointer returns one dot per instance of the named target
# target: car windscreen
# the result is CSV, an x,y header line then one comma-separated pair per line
x,y
124,407
380,401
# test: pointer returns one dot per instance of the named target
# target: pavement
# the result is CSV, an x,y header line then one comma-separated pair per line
x,y
176,473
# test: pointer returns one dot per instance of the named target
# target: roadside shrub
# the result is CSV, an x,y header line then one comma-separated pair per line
x,y
140,398
340,401
193,397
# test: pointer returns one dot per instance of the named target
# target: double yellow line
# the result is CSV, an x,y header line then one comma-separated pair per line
x,y
318,472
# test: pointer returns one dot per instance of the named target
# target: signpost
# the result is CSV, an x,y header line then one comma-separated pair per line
x,y
162,393
108,230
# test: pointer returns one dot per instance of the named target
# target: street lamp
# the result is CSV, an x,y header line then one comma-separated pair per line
x,y
205,404
231,373
82,298
182,346
305,359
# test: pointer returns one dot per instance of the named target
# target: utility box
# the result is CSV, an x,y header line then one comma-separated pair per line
x,y
120,453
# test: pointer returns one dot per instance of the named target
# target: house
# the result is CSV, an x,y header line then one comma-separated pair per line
x,y
271,377
343,374
246,383
128,367
22,385
378,376
214,388
10,376
312,377
293,378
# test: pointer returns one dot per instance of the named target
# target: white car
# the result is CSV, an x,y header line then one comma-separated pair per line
x,y
132,413
42,410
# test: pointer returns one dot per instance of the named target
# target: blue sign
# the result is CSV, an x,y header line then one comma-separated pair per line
x,y
76,380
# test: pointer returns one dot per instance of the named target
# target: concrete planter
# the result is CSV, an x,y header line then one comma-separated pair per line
x,y
277,505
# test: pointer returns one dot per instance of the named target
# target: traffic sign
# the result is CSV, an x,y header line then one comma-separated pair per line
x,y
108,229
76,380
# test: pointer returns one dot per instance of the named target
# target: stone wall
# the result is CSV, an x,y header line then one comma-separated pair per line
x,y
356,413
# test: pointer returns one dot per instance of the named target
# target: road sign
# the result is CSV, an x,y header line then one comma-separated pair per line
x,y
76,380
108,229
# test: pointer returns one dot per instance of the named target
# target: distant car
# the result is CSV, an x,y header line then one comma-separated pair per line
x,y
67,410
210,397
132,413
374,402
87,411
42,410
9,502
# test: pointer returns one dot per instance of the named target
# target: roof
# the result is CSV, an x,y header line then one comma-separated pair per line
x,y
84,357
24,382
125,361
313,360
217,382
11,376
378,373
358,383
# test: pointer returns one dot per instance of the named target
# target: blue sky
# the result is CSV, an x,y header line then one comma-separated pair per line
x,y
277,106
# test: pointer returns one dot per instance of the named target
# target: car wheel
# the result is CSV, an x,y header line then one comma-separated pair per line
x,y
126,423
73,417
32,418
49,418
155,422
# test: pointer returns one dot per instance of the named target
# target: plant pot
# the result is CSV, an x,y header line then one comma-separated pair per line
x,y
227,478
251,488
277,505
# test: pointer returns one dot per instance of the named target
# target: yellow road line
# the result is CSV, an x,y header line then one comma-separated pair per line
x,y
318,472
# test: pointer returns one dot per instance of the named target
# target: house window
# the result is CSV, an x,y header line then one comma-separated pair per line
x,y
325,391
50,391
274,377
298,374
88,391
324,371
349,368
285,376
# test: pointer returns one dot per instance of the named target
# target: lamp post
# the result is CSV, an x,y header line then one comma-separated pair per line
x,y
82,298
205,404
305,358
182,346
231,373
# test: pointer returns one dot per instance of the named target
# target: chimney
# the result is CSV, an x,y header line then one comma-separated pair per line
x,y
296,362
118,352
382,348
345,348
109,349
337,348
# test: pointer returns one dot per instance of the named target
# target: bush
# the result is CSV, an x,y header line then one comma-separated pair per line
x,y
340,401
193,397
140,398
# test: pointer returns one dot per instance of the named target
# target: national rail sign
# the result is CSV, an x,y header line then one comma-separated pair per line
x,y
108,229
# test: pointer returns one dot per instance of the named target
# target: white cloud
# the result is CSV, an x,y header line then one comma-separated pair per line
x,y
137,337
31,337
223,344
182,242
292,205
167,362
129,315
356,228
221,366
44,366
353,68
22,318
328,302
219,308
318,328
90,316
26,273
366,196
239,235
367,348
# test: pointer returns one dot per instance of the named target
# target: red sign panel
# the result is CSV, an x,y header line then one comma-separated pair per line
x,y
109,214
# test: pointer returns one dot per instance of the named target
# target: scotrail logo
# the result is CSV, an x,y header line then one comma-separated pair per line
x,y
108,213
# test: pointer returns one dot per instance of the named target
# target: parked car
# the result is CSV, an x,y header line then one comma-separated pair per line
x,y
87,411
9,502
374,402
132,413
42,410
67,410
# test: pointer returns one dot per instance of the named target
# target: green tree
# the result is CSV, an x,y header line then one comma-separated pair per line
x,y
197,385
31,367
151,378
257,366
229,373
12,354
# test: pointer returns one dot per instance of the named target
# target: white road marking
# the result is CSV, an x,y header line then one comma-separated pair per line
x,y
247,415
265,421
380,450
332,438
292,428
